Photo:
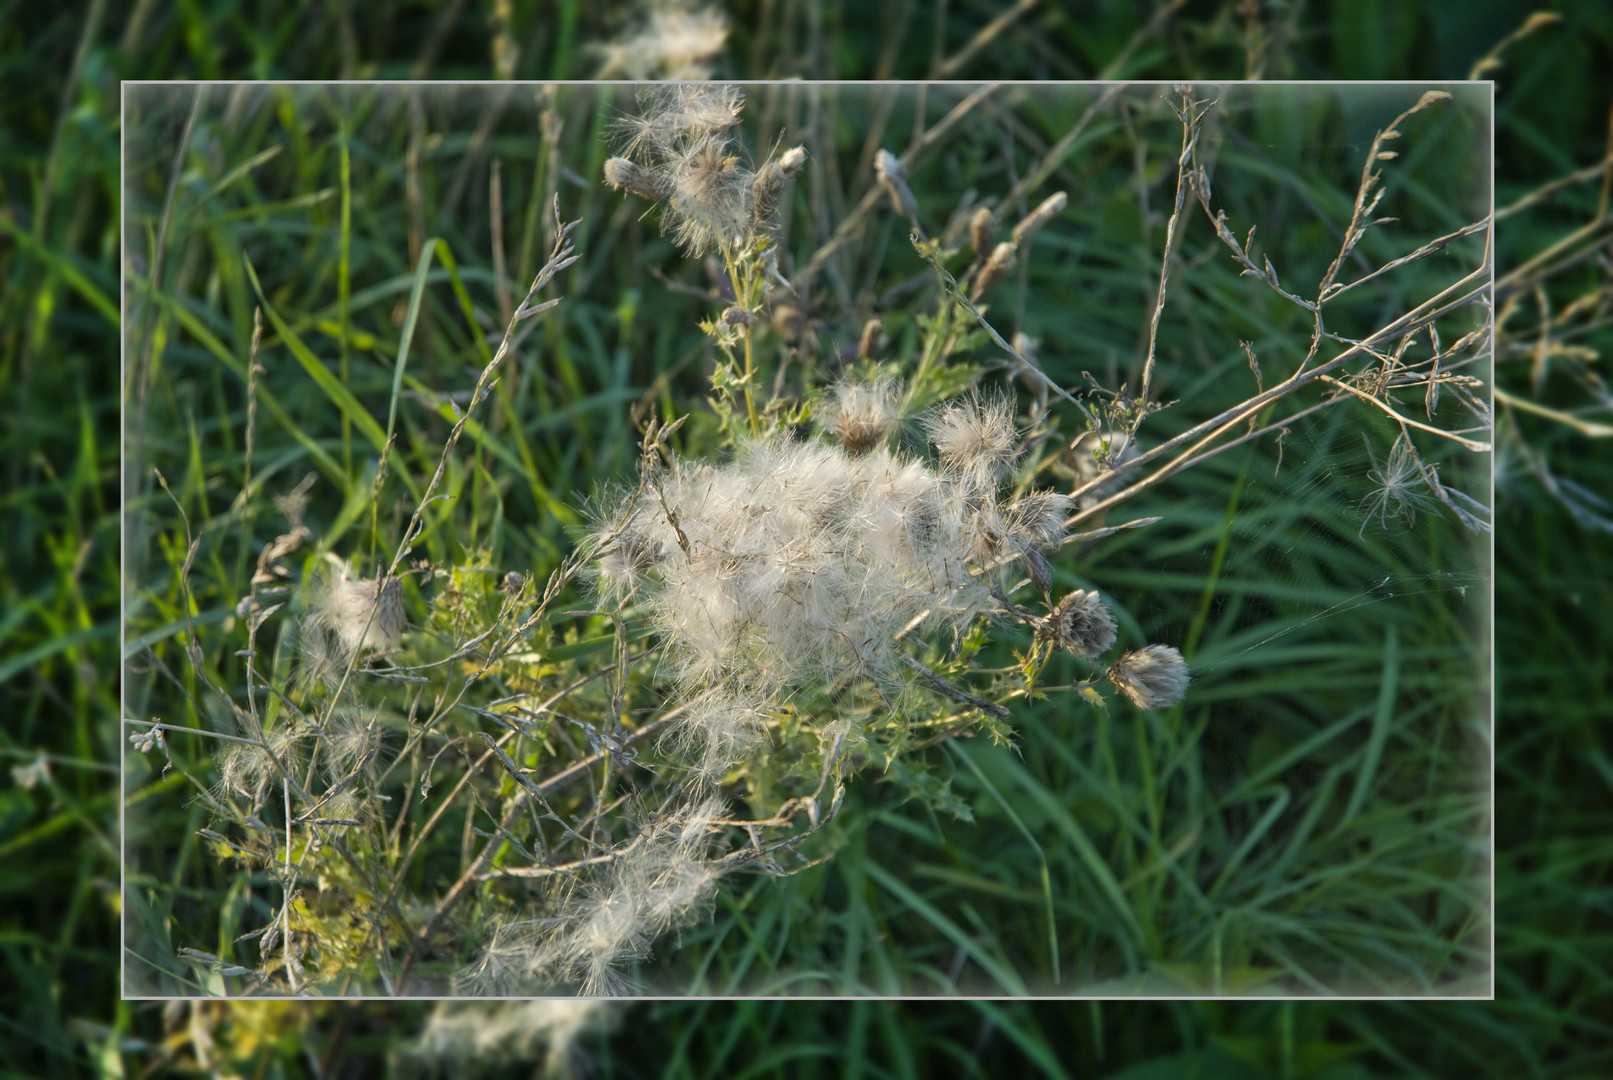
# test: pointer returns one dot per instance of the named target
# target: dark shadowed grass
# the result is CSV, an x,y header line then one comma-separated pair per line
x,y
58,251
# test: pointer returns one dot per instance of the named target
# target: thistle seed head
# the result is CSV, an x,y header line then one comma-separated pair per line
x,y
1153,677
861,415
1080,623
770,181
364,614
676,42
975,438
893,178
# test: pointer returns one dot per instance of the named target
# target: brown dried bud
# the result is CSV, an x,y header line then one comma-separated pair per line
x,y
1081,623
872,339
1003,258
893,178
982,230
770,181
789,322
625,175
1051,207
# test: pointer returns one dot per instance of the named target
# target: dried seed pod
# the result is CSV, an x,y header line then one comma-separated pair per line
x,y
793,160
893,178
789,322
769,186
625,175
982,230
1050,208
873,337
1080,623
1003,258
1154,677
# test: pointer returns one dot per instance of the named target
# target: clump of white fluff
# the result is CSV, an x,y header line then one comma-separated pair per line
x,y
798,564
659,880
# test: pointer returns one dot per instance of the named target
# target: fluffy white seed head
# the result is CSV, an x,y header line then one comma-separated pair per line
x,y
798,564
1153,677
862,414
664,877
365,615
677,41
975,439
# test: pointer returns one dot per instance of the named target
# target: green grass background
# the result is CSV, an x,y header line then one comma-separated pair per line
x,y
59,840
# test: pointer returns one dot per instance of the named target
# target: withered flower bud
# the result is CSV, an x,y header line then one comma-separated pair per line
x,y
625,175
1003,258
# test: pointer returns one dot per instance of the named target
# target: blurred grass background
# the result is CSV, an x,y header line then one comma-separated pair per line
x,y
58,253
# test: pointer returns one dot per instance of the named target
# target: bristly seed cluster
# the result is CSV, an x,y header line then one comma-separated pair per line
x,y
681,151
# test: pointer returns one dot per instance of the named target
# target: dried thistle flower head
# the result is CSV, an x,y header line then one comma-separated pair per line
x,y
872,339
625,175
710,198
1050,208
770,181
893,178
1153,677
678,41
1003,259
623,559
862,414
1080,623
794,565
975,438
510,1034
680,148
982,231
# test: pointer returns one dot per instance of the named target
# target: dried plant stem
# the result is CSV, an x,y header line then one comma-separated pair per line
x,y
1192,117
1584,427
1408,323
1471,444
850,226
983,37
